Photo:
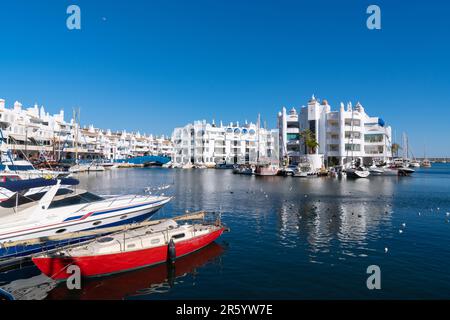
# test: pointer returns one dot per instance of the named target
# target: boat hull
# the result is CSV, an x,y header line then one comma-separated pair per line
x,y
351,173
101,265
112,221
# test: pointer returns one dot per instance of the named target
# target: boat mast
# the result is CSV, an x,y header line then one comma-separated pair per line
x,y
257,137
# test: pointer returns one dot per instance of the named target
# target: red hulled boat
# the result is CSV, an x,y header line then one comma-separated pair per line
x,y
128,250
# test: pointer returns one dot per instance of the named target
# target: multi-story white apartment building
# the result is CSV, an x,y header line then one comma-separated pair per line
x,y
208,143
32,132
343,135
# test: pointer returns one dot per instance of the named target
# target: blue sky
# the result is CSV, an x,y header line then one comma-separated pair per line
x,y
153,65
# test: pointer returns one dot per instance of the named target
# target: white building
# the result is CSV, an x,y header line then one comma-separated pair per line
x,y
208,143
33,133
344,135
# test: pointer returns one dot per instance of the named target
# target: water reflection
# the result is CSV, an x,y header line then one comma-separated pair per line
x,y
346,211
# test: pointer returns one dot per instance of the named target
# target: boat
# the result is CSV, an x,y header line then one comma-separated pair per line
x,y
25,170
134,283
303,169
95,168
384,170
357,172
402,167
224,165
187,166
77,168
244,169
58,213
425,163
414,164
266,169
130,249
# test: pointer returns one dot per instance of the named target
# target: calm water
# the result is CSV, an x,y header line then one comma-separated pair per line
x,y
291,238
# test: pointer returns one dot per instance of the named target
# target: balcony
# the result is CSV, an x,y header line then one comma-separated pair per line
x,y
333,141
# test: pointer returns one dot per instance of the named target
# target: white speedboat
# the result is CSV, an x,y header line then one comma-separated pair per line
x,y
25,170
57,214
303,169
414,164
383,171
357,172
95,168
79,168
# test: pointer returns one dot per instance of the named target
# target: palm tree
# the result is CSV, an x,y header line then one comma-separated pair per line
x,y
395,148
310,140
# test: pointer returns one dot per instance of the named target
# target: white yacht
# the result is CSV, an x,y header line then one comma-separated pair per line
x,y
25,170
58,212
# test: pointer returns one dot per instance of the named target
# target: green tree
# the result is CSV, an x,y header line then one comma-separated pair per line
x,y
310,140
395,148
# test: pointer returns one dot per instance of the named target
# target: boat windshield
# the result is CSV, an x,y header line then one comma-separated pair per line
x,y
85,197
18,199
14,167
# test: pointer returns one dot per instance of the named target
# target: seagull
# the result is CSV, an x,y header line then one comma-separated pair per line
x,y
385,250
403,224
400,231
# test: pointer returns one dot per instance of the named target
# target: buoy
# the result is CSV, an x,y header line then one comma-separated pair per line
x,y
171,252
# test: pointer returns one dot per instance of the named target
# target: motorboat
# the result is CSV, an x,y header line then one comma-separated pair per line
x,y
130,249
383,171
303,169
224,165
26,170
244,169
426,163
402,168
95,168
77,168
266,170
414,164
58,213
357,172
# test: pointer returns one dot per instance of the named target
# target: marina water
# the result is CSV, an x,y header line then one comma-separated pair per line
x,y
291,238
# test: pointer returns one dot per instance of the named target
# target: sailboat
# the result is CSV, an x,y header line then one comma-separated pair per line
x,y
264,168
426,163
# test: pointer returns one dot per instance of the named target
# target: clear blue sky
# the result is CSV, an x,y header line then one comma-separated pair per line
x,y
153,65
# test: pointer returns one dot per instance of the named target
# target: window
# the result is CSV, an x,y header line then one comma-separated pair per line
x,y
293,136
373,137
353,134
178,236
352,147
